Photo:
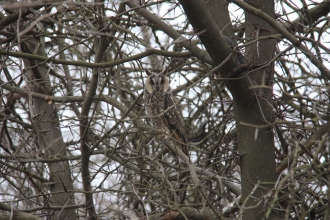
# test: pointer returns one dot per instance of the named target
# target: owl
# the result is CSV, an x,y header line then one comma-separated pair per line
x,y
159,102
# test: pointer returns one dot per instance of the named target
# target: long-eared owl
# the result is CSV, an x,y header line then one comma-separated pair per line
x,y
160,103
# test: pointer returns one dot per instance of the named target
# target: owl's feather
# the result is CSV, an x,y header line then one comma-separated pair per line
x,y
160,103
174,118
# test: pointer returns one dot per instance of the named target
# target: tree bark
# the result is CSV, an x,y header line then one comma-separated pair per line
x,y
253,108
49,137
256,145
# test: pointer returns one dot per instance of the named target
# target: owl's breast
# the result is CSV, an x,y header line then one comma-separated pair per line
x,y
155,107
155,101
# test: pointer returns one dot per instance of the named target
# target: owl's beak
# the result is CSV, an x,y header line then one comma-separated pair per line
x,y
157,88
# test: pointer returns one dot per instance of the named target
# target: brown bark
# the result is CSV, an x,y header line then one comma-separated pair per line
x,y
257,144
252,105
15,214
48,133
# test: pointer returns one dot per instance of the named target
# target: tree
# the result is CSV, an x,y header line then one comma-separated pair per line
x,y
253,80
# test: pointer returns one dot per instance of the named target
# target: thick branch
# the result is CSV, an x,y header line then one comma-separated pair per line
x,y
285,33
216,46
16,214
320,10
116,62
84,124
308,144
22,14
159,24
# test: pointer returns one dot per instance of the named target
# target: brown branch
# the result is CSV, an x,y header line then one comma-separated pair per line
x,y
53,208
320,10
8,117
193,174
84,125
308,144
217,47
283,31
146,53
170,31
48,98
66,99
184,213
16,214
20,14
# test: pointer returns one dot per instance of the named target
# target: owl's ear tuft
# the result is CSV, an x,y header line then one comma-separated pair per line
x,y
165,71
148,72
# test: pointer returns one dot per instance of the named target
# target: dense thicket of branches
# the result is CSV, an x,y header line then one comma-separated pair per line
x,y
76,143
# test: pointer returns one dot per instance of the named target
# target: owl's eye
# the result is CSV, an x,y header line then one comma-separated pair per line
x,y
152,82
162,82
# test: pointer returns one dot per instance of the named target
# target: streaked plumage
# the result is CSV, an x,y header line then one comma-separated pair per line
x,y
160,103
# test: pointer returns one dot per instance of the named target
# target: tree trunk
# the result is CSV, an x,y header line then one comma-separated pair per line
x,y
253,107
48,133
255,136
